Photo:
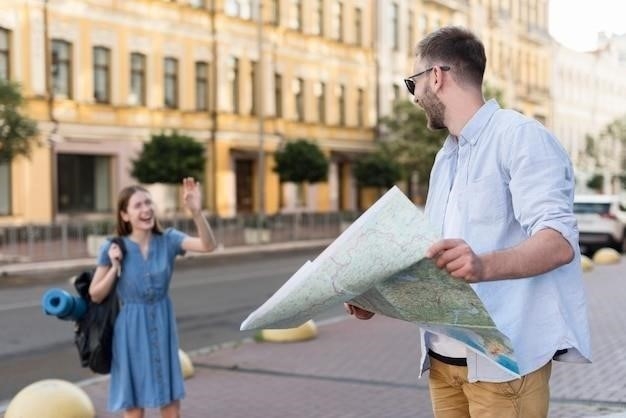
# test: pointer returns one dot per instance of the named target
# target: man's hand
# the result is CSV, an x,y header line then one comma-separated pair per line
x,y
458,259
358,312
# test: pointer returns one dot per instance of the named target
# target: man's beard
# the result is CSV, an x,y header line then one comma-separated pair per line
x,y
434,109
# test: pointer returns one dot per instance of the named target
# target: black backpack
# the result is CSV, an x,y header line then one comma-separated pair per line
x,y
93,336
94,331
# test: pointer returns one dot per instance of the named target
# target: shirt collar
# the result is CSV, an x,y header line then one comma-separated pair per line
x,y
472,129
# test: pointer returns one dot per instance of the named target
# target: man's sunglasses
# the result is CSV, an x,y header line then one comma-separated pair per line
x,y
410,84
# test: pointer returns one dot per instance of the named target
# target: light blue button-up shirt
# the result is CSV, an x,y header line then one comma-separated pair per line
x,y
512,179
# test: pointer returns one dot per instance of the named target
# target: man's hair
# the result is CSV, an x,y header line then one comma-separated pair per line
x,y
457,47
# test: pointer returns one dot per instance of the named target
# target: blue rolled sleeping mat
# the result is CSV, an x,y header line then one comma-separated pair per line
x,y
63,305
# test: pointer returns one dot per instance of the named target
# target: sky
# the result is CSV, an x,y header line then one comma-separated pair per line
x,y
575,23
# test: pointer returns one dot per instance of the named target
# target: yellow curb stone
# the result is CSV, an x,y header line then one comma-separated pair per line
x,y
185,364
51,398
586,263
306,331
606,256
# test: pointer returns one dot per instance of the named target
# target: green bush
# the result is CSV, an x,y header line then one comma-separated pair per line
x,y
376,170
301,161
168,159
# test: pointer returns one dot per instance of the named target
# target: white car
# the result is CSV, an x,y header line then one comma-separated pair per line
x,y
600,222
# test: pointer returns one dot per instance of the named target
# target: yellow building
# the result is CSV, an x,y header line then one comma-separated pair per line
x,y
121,70
101,76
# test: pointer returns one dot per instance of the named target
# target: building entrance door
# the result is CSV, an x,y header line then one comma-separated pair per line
x,y
244,170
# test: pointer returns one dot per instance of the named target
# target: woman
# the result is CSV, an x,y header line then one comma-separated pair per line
x,y
145,371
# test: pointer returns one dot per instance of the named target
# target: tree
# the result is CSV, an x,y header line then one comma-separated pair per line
x,y
168,159
596,182
17,132
301,161
600,149
410,143
377,170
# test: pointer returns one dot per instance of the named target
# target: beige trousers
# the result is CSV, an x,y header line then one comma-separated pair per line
x,y
453,396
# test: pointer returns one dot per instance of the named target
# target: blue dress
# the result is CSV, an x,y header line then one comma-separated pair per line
x,y
145,372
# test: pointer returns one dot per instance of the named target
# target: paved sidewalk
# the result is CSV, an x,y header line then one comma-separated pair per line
x,y
352,369
368,369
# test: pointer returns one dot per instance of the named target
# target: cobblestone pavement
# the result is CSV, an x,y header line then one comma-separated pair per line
x,y
369,370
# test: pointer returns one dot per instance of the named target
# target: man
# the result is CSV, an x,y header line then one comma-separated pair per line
x,y
501,192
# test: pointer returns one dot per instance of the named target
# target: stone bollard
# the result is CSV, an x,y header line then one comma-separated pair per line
x,y
185,364
306,331
586,263
606,256
51,398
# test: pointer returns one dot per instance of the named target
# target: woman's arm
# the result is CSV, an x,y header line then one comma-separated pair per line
x,y
104,277
205,242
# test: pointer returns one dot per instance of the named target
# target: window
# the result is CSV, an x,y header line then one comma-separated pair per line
x,y
254,74
196,3
358,26
137,79
337,21
360,107
101,75
275,12
318,18
202,86
233,79
84,183
5,56
278,94
341,93
299,99
246,9
296,15
232,8
5,188
61,68
171,83
321,102
395,39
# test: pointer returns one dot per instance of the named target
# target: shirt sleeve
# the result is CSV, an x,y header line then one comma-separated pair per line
x,y
174,239
103,254
542,182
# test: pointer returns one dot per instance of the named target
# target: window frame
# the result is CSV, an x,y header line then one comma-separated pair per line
x,y
171,79
141,74
299,99
5,52
202,81
101,70
58,63
233,79
278,94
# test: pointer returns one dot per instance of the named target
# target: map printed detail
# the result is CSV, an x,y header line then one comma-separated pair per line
x,y
379,264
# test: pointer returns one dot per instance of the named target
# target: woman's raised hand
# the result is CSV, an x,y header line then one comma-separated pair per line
x,y
191,195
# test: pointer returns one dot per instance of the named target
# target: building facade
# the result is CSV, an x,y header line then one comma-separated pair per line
x,y
588,94
101,76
